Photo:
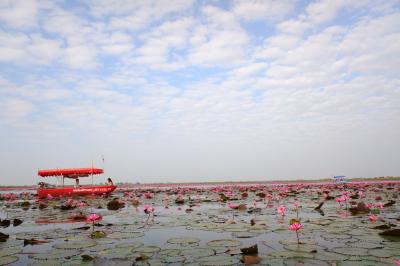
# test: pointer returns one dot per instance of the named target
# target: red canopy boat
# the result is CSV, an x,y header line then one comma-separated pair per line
x,y
44,190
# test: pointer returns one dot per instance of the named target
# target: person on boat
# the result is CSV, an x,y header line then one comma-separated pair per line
x,y
110,182
77,182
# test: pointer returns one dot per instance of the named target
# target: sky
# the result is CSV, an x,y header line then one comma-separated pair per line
x,y
196,91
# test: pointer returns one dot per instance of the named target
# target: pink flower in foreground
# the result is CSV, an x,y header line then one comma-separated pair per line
x,y
397,262
93,217
295,226
372,218
370,205
232,205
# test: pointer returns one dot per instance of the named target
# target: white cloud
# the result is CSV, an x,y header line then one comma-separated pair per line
x,y
220,40
263,9
80,57
19,13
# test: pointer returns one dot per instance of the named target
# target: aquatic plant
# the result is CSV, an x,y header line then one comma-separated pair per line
x,y
281,210
93,218
295,225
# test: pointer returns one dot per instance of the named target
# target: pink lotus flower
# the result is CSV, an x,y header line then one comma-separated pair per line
x,y
136,201
295,226
373,218
232,205
370,205
81,204
397,262
148,209
93,217
281,210
379,204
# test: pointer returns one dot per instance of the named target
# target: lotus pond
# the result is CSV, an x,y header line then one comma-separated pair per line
x,y
260,224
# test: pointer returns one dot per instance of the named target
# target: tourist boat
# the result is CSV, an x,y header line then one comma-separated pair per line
x,y
45,190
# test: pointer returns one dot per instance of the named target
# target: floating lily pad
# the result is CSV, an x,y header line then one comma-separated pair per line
x,y
329,256
5,260
118,253
294,241
224,243
148,249
132,245
173,259
55,254
123,235
384,253
169,252
218,260
290,254
302,248
184,241
244,234
367,245
9,251
308,262
45,263
351,251
75,245
198,252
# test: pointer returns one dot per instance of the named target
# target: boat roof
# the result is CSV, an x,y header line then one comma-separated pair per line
x,y
70,172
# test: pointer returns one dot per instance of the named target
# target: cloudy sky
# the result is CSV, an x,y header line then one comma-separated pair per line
x,y
184,90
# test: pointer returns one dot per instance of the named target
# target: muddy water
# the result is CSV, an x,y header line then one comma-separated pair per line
x,y
204,230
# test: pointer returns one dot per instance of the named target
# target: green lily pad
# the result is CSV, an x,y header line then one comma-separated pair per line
x,y
310,262
117,253
198,252
290,254
5,260
224,243
148,249
75,245
45,263
169,252
329,256
55,255
132,245
184,241
123,235
294,241
244,234
351,251
302,248
98,234
367,245
218,260
173,259
384,253
9,251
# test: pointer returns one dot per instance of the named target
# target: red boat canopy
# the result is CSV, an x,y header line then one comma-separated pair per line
x,y
70,173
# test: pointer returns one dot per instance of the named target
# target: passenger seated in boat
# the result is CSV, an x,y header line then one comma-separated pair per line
x,y
110,182
77,183
42,185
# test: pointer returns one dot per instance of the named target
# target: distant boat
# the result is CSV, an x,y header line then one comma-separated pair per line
x,y
45,189
340,179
